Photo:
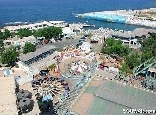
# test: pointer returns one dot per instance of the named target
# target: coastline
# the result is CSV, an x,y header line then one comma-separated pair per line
x,y
145,17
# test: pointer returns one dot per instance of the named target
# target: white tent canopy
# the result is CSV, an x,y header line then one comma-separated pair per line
x,y
85,47
67,31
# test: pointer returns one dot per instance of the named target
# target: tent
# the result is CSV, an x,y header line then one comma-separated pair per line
x,y
85,47
67,31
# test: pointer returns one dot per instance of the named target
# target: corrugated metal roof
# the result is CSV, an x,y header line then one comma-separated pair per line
x,y
111,98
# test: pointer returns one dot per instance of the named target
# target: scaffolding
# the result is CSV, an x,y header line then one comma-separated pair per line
x,y
144,66
148,81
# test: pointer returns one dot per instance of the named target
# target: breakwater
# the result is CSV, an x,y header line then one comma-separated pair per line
x,y
135,17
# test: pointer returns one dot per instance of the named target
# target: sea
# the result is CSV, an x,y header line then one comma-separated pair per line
x,y
14,11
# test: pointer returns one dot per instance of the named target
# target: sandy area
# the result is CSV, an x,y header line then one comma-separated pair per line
x,y
83,103
96,83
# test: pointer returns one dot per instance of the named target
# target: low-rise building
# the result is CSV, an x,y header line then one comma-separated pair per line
x,y
39,54
19,42
35,26
131,37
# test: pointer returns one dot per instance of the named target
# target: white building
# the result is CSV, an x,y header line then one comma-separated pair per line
x,y
19,42
35,26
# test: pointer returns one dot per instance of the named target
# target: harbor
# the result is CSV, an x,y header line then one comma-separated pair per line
x,y
145,17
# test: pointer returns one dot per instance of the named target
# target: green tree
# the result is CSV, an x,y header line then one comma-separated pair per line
x,y
113,46
1,43
29,47
6,33
9,56
24,33
146,55
133,60
1,35
148,47
124,68
154,50
49,32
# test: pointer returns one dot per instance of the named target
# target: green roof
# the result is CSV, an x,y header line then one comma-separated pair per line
x,y
112,97
90,89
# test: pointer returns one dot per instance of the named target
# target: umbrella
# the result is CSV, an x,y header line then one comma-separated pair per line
x,y
25,104
23,94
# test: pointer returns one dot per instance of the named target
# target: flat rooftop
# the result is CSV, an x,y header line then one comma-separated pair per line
x,y
30,55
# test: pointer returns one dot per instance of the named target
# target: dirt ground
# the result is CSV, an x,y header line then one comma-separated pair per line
x,y
83,103
35,110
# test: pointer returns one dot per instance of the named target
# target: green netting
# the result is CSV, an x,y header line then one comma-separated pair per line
x,y
97,107
119,110
90,89
144,95
135,92
111,85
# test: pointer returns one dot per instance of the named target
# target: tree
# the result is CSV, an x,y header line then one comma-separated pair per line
x,y
133,60
24,33
1,35
154,50
146,55
6,33
148,47
49,32
113,46
29,47
124,68
1,43
9,56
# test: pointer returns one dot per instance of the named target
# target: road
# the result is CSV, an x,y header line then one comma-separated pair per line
x,y
66,42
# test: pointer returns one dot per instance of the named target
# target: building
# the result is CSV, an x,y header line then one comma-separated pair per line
x,y
97,39
67,32
36,26
39,54
19,42
130,38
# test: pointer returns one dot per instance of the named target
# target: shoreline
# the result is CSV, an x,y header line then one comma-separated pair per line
x,y
145,17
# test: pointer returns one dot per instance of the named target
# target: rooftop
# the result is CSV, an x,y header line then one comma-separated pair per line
x,y
138,32
30,55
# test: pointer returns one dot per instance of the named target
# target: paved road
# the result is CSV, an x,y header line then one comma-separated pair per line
x,y
65,42
97,47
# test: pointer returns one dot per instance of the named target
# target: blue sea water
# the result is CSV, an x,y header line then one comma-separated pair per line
x,y
37,10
